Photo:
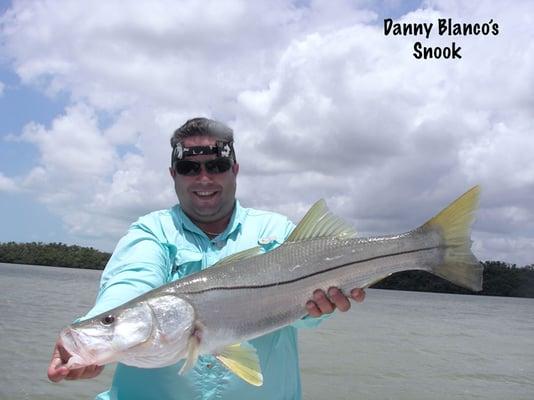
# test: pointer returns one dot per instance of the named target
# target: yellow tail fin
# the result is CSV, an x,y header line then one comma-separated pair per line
x,y
459,266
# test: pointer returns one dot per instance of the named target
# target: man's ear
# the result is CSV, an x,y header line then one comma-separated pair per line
x,y
172,172
235,168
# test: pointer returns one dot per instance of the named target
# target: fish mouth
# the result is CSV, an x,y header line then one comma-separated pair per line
x,y
73,343
70,340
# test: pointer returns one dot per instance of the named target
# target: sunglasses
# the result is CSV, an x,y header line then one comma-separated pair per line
x,y
192,168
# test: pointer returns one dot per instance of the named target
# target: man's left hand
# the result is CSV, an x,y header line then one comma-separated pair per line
x,y
323,304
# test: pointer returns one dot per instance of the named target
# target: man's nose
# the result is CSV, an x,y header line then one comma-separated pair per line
x,y
203,175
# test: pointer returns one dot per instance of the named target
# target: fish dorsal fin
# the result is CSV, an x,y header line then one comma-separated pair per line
x,y
243,361
319,221
242,255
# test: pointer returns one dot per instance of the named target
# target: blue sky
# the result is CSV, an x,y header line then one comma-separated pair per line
x,y
88,99
24,218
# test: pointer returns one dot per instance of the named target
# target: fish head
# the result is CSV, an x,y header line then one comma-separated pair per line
x,y
149,333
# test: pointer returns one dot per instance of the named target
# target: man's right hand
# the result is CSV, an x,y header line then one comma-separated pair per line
x,y
57,370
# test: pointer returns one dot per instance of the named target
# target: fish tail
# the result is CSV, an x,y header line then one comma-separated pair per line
x,y
459,266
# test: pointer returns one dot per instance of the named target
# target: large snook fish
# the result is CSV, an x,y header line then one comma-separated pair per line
x,y
250,294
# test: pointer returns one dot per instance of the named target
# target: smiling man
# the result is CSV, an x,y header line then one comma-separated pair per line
x,y
207,225
204,170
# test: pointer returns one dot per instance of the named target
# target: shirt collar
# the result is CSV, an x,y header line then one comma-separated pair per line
x,y
235,223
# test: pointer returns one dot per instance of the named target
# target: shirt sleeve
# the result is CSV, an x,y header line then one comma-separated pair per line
x,y
140,262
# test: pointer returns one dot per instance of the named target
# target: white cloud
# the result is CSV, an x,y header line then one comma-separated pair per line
x,y
148,52
81,176
2,86
7,184
398,138
323,105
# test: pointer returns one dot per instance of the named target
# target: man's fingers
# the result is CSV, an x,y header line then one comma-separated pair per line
x,y
312,309
339,299
75,374
92,371
57,373
56,369
322,302
358,295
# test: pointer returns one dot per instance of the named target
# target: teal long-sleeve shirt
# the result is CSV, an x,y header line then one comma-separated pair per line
x,y
164,246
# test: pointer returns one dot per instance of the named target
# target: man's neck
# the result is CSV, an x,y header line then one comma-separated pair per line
x,y
216,227
213,228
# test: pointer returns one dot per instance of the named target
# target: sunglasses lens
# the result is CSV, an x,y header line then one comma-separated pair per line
x,y
219,165
186,167
192,168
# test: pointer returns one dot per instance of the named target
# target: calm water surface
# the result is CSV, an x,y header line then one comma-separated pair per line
x,y
395,345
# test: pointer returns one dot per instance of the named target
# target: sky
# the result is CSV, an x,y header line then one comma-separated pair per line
x,y
323,103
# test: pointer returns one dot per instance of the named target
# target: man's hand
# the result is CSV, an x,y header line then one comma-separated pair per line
x,y
58,371
323,304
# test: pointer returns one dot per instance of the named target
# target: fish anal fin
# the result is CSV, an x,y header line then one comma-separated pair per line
x,y
243,361
319,221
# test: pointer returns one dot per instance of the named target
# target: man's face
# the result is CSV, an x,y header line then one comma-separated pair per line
x,y
205,197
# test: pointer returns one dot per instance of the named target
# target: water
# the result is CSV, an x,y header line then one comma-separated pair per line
x,y
395,345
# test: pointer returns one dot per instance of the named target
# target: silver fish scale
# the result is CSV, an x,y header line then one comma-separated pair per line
x,y
271,290
299,259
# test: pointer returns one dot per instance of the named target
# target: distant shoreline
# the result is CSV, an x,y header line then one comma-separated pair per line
x,y
500,278
48,266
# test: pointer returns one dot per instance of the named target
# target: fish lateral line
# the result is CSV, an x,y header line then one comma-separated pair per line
x,y
280,283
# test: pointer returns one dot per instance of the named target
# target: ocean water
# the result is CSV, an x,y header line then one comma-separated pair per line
x,y
395,345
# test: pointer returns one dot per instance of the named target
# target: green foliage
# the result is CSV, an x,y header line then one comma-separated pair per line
x,y
53,254
500,279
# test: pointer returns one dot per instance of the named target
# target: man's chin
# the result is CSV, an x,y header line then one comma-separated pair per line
x,y
207,213
211,213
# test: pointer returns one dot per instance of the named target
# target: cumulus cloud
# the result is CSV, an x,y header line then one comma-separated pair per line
x,y
82,176
148,52
322,103
7,184
390,139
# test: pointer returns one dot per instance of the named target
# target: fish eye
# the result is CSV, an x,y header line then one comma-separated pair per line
x,y
108,320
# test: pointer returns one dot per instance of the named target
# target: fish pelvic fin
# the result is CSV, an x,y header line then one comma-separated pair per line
x,y
243,361
319,221
193,350
460,266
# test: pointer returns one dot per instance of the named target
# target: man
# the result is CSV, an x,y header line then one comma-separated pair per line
x,y
207,225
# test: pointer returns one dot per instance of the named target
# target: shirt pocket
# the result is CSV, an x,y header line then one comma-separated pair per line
x,y
186,262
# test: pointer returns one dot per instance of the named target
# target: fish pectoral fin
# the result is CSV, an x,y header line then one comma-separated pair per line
x,y
193,347
319,221
243,361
